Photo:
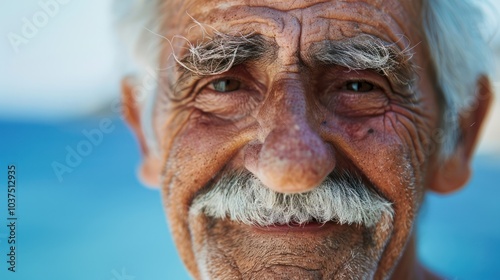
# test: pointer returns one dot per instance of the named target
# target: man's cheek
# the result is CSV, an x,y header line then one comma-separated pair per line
x,y
199,153
379,149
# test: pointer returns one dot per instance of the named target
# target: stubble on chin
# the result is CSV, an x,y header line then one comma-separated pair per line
x,y
229,250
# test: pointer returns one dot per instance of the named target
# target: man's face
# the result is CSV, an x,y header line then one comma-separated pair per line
x,y
300,104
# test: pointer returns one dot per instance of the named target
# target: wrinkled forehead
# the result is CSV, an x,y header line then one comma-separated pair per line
x,y
308,20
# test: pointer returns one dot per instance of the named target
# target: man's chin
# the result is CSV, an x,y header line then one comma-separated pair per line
x,y
230,250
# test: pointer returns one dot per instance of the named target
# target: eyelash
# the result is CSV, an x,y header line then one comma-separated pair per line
x,y
206,84
377,85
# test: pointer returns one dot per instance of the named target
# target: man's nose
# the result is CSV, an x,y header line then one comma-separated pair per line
x,y
293,157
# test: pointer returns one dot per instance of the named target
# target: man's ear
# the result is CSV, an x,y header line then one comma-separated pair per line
x,y
454,171
149,171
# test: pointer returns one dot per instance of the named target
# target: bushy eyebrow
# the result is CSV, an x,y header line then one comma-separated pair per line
x,y
223,51
366,52
218,53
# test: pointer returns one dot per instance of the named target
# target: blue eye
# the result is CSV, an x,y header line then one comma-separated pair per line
x,y
359,86
226,85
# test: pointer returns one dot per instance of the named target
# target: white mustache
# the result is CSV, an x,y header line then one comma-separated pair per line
x,y
342,198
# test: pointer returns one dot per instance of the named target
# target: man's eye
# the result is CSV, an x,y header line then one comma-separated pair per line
x,y
359,86
225,85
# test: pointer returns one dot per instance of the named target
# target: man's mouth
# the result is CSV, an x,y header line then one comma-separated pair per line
x,y
309,226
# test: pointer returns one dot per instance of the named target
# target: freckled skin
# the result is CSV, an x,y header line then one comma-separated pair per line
x,y
291,133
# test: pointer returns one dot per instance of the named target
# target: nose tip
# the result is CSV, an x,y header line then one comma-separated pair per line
x,y
291,161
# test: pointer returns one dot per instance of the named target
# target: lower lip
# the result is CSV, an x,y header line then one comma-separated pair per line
x,y
306,227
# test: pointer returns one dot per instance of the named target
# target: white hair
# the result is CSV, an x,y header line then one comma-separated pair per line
x,y
460,55
342,197
459,52
136,22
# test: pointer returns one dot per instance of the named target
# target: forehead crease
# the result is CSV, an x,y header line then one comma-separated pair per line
x,y
244,19
367,19
379,20
284,6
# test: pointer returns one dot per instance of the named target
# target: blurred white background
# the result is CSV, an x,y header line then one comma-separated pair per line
x,y
70,67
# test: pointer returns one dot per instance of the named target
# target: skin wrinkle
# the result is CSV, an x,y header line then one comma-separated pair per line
x,y
219,254
245,136
175,125
414,27
247,22
396,122
233,264
345,149
287,7
420,153
365,17
288,54
318,10
347,269
416,120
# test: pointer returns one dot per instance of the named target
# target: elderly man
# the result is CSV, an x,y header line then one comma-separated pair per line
x,y
296,139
